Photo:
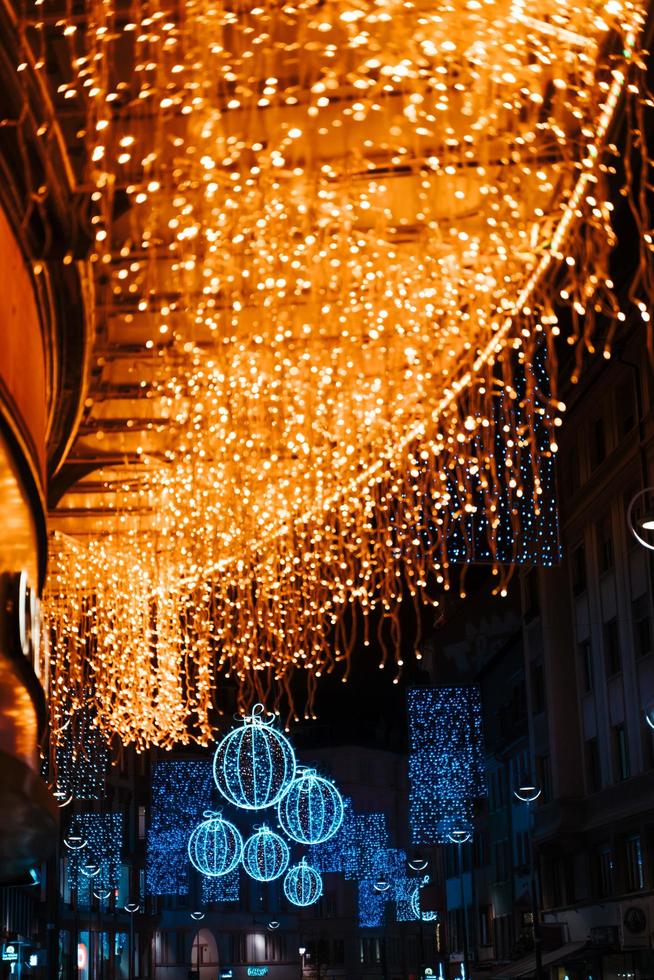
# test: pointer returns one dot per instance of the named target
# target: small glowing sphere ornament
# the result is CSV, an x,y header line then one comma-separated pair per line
x,y
265,855
254,765
312,810
302,884
215,846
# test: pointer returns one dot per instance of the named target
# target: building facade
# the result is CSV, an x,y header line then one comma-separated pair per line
x,y
566,670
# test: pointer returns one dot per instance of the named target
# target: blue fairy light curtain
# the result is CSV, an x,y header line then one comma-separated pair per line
x,y
523,527
77,760
361,852
446,772
95,867
304,812
254,769
181,790
226,888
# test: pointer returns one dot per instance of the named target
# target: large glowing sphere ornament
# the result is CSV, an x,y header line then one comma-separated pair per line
x,y
215,846
302,884
312,810
255,764
265,855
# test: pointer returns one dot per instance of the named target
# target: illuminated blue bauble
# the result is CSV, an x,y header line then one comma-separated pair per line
x,y
265,855
254,765
215,846
312,810
302,884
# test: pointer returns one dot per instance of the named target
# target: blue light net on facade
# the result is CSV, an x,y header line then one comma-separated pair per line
x,y
531,533
224,889
446,772
371,906
181,791
78,766
339,853
104,836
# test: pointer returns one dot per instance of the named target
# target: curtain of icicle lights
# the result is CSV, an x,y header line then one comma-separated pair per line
x,y
343,229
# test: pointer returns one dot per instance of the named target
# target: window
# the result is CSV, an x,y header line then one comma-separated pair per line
x,y
538,688
641,626
502,860
275,946
485,926
338,951
579,581
501,778
571,471
585,665
238,943
605,870
605,544
141,821
480,847
625,406
612,662
620,753
544,777
597,442
648,746
593,770
329,904
370,950
532,604
634,863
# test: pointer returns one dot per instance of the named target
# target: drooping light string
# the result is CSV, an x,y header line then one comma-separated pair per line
x,y
350,233
76,760
446,762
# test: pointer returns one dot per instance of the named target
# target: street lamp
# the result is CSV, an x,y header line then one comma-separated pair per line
x,y
527,792
302,950
461,837
131,907
641,524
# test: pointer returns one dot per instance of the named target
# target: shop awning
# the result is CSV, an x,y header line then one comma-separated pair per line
x,y
527,965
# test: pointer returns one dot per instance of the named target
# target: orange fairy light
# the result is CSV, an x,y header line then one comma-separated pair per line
x,y
349,225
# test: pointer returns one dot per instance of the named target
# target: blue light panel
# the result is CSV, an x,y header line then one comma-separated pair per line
x,y
403,893
370,905
446,772
104,836
534,536
181,792
223,889
371,842
339,853
79,764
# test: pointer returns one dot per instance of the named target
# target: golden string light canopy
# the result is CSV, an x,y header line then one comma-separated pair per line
x,y
344,230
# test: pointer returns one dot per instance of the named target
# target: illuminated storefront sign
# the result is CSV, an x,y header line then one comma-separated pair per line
x,y
10,952
257,971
